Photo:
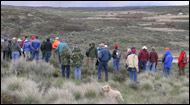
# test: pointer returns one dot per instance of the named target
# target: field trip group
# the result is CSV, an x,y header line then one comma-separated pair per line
x,y
95,56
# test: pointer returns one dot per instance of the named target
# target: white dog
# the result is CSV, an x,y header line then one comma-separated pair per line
x,y
112,93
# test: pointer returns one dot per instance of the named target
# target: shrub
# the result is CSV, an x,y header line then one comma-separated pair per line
x,y
146,85
119,77
54,62
4,63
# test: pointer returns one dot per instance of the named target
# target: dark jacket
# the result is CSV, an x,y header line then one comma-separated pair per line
x,y
153,56
143,55
114,55
93,52
15,47
104,55
4,46
47,46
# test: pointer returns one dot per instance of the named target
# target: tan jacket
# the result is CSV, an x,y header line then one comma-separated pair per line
x,y
132,61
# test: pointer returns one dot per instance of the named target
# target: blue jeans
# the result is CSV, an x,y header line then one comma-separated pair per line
x,y
35,55
59,58
133,73
144,65
166,71
152,65
116,64
5,55
63,70
47,56
15,55
77,72
100,67
43,55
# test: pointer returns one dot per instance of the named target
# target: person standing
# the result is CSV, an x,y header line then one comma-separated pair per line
x,y
93,55
26,48
77,58
4,48
132,62
16,50
182,61
42,49
152,60
55,45
60,46
22,43
167,63
35,46
116,59
143,57
47,49
65,58
104,56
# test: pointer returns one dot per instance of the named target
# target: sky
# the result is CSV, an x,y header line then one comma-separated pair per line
x,y
94,3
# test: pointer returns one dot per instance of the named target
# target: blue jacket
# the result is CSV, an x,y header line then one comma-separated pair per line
x,y
26,46
104,55
35,45
168,60
60,46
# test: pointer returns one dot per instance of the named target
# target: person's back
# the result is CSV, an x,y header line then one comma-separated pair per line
x,y
26,45
35,45
168,60
143,55
182,57
77,57
93,52
104,55
153,56
4,46
65,57
132,61
47,46
15,47
55,44
60,46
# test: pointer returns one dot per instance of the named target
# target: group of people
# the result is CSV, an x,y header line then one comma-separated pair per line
x,y
95,56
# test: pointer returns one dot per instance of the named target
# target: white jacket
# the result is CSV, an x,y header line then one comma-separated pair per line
x,y
132,61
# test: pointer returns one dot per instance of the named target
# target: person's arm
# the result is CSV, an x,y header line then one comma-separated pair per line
x,y
31,46
166,59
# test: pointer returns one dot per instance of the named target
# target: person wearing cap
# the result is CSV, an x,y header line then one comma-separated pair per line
x,y
182,61
35,46
152,60
130,52
54,45
116,59
19,41
16,50
60,46
47,49
93,55
104,56
167,63
26,48
164,55
132,62
4,48
143,57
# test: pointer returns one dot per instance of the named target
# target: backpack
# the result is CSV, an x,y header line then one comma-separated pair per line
x,y
118,54
184,60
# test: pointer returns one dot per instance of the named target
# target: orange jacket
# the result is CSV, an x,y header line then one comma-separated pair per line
x,y
55,44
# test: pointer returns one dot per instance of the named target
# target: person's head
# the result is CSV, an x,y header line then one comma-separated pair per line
x,y
5,39
26,37
105,46
128,50
116,47
98,48
133,51
19,40
63,40
101,45
167,49
90,44
33,37
56,38
36,37
93,44
182,50
48,39
153,48
144,48
14,39
132,48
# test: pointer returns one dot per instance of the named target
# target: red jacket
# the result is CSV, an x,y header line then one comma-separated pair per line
x,y
22,43
153,56
143,55
181,56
